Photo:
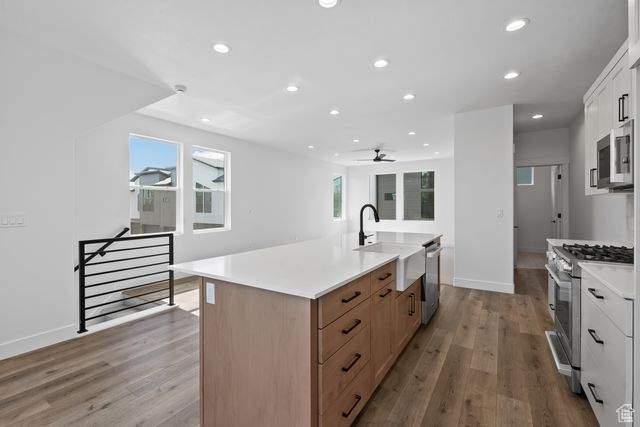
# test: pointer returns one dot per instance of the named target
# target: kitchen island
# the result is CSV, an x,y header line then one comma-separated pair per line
x,y
301,334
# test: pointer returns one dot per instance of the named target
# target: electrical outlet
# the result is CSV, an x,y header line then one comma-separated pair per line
x,y
499,213
210,295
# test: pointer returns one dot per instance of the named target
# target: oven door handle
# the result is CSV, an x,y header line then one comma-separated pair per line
x,y
554,275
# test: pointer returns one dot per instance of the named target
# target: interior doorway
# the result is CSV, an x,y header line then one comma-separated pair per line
x,y
539,212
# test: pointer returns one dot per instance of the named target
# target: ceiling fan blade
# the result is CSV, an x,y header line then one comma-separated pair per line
x,y
386,160
382,156
363,160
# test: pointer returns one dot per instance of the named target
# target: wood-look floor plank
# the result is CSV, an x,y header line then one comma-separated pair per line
x,y
479,408
485,348
512,412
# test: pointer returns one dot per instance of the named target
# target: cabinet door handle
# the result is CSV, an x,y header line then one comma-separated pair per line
x,y
351,328
620,108
552,307
592,332
387,292
358,399
353,362
592,291
592,386
385,276
355,295
591,180
624,116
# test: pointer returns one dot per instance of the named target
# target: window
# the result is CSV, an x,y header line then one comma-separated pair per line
x,y
153,185
524,176
384,195
210,188
338,195
419,196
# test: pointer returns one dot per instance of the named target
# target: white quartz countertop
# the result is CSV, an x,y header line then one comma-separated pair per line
x,y
617,277
307,269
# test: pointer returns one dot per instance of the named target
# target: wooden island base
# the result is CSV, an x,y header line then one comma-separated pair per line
x,y
273,359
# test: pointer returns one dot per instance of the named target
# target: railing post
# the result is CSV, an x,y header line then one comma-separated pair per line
x,y
171,271
81,283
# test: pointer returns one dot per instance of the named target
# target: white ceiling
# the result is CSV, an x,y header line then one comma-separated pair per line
x,y
451,54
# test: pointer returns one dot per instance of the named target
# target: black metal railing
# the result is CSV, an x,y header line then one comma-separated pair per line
x,y
104,278
101,251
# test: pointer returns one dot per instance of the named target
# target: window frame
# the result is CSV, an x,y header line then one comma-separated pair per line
x,y
226,191
178,189
343,187
403,173
533,173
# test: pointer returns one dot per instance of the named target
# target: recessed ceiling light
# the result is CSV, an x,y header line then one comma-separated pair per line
x,y
310,147
336,154
292,88
437,152
517,24
426,144
511,75
537,116
180,88
411,133
334,112
356,140
381,63
409,97
205,120
221,48
328,4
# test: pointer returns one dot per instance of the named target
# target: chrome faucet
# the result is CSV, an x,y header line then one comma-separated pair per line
x,y
361,235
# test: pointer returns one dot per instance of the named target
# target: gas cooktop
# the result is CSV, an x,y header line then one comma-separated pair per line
x,y
602,253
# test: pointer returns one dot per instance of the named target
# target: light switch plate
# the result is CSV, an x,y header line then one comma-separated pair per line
x,y
210,293
13,220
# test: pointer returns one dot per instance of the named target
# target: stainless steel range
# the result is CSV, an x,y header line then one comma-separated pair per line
x,y
566,274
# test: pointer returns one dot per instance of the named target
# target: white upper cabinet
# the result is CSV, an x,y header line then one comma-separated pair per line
x,y
634,33
607,105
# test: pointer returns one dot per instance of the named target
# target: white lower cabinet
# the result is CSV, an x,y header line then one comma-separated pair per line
x,y
606,351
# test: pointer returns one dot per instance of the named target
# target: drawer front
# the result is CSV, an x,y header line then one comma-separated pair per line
x,y
344,410
597,384
619,310
338,302
341,331
341,368
382,276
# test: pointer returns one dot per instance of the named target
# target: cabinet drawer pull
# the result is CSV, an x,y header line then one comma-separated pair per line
x,y
353,362
358,399
592,332
592,386
551,306
355,295
413,304
386,276
387,292
350,328
592,291
620,108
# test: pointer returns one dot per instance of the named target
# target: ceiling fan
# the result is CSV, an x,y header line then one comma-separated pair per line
x,y
378,158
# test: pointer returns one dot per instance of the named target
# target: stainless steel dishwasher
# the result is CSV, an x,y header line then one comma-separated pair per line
x,y
430,290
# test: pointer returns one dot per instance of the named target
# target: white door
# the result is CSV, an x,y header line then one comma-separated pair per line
x,y
556,202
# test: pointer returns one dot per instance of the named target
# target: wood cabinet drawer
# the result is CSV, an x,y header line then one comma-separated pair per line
x,y
344,410
342,330
339,370
338,302
618,309
383,275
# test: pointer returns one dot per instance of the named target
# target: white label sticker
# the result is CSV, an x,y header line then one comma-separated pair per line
x,y
210,295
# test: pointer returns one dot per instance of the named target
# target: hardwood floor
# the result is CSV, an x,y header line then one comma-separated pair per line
x,y
531,260
483,360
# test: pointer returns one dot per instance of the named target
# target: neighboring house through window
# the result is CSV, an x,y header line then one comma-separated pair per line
x,y
153,185
210,188
419,196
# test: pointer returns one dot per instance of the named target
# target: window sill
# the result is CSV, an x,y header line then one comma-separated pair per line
x,y
211,230
175,233
339,219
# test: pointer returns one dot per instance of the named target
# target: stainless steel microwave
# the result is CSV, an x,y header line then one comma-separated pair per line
x,y
615,159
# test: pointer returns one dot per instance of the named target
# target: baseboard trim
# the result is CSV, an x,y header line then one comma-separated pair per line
x,y
506,288
33,342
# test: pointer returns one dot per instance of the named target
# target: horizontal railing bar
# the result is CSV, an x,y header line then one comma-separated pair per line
x,y
125,289
126,259
123,309
129,249
126,278
126,239
100,273
127,298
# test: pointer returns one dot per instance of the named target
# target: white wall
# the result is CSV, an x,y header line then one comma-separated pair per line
x,y
483,157
48,99
276,197
607,217
542,148
533,211
358,194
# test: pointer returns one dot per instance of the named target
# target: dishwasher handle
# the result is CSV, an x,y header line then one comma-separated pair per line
x,y
434,253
